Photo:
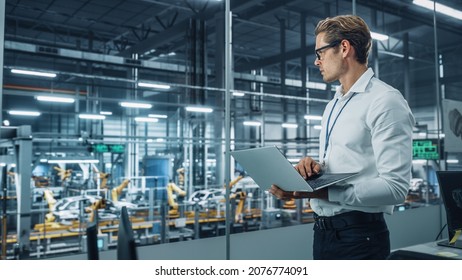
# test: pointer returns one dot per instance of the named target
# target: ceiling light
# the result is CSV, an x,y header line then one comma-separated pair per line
x,y
252,123
34,73
136,105
107,113
316,85
313,117
378,36
92,117
440,8
55,99
452,161
289,125
150,85
24,113
199,109
144,119
317,127
238,93
157,116
6,122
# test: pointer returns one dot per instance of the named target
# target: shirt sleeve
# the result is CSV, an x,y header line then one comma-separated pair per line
x,y
390,122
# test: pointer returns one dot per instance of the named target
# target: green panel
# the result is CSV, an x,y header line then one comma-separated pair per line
x,y
117,148
425,149
101,148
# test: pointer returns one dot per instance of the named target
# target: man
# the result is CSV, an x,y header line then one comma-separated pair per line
x,y
366,128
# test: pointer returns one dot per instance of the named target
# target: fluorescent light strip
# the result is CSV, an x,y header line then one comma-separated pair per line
x,y
199,109
34,73
316,85
313,117
378,36
144,119
252,123
24,113
238,93
452,161
107,113
395,54
92,117
135,105
440,8
55,99
157,116
317,127
289,125
157,86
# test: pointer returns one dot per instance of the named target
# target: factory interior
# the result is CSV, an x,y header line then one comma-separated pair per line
x,y
131,107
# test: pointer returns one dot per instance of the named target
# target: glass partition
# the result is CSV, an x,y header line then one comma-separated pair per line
x,y
126,106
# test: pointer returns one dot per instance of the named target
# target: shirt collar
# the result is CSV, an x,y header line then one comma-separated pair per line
x,y
359,86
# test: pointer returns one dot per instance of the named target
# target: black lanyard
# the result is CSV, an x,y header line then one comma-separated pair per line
x,y
328,133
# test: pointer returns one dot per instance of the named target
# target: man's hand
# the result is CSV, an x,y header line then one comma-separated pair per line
x,y
307,167
284,195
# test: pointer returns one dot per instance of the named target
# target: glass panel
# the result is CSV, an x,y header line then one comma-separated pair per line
x,y
137,117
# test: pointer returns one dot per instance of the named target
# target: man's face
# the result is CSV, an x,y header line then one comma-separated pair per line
x,y
328,59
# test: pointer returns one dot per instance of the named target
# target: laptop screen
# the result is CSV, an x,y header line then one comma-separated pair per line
x,y
451,191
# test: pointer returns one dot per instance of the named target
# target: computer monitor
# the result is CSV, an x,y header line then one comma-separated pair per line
x,y
126,247
92,242
451,191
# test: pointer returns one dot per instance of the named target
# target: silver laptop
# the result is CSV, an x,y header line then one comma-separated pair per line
x,y
268,166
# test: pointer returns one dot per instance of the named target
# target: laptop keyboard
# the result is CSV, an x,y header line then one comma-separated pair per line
x,y
324,179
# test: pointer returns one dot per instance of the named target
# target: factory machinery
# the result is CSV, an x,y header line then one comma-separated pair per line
x,y
158,215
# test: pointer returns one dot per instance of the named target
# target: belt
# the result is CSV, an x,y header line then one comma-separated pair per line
x,y
346,219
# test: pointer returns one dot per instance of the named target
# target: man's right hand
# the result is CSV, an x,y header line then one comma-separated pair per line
x,y
307,167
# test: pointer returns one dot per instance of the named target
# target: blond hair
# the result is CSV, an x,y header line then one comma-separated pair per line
x,y
351,28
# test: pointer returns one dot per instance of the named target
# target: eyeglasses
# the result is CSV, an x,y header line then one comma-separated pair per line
x,y
331,45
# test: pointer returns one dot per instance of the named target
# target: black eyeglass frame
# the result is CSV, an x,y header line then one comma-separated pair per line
x,y
331,45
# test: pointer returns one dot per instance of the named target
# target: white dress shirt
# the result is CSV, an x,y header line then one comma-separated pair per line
x,y
371,135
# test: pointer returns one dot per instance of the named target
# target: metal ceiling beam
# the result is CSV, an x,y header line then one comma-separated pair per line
x,y
275,59
173,33
176,32
409,14
116,60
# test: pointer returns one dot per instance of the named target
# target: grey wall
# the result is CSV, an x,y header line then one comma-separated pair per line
x,y
410,227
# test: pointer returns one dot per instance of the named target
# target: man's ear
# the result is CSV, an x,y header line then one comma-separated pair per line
x,y
346,48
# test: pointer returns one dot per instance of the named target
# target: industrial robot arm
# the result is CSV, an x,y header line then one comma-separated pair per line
x,y
118,190
99,204
63,173
48,195
103,177
172,187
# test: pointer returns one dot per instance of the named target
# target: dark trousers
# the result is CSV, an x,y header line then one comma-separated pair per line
x,y
351,236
